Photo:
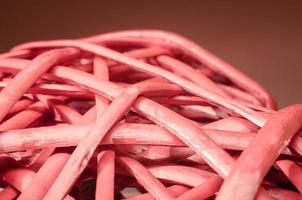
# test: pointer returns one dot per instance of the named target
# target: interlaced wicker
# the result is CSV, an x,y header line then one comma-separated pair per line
x,y
147,110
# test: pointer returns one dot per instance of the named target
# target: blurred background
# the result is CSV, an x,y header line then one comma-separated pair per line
x,y
261,38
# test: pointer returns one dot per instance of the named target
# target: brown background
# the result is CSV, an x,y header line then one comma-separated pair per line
x,y
262,39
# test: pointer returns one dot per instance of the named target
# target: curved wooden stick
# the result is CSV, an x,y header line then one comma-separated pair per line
x,y
253,164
